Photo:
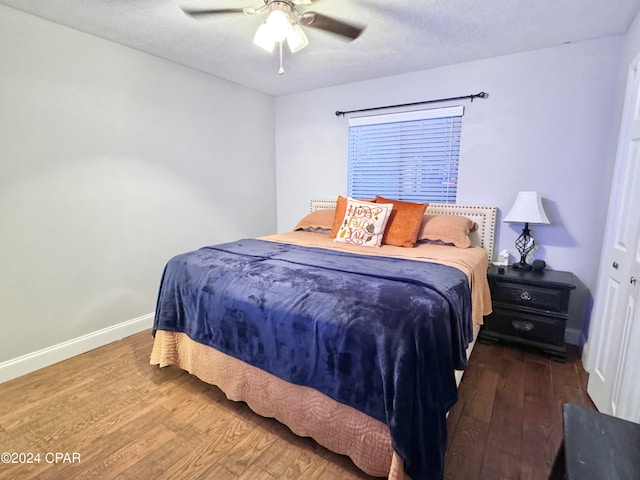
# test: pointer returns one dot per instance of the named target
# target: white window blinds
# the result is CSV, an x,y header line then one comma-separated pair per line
x,y
407,156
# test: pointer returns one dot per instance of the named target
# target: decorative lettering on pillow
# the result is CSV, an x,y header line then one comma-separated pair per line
x,y
363,223
341,206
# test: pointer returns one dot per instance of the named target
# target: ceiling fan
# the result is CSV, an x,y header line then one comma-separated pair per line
x,y
283,22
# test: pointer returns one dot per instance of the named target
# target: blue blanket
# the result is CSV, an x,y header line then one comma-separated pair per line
x,y
381,335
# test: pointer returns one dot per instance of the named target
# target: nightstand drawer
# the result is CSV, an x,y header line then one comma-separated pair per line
x,y
545,298
537,328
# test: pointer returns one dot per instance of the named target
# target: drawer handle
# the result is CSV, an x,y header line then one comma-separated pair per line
x,y
525,296
522,325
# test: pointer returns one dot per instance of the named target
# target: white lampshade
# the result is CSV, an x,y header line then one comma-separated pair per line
x,y
527,209
296,38
264,39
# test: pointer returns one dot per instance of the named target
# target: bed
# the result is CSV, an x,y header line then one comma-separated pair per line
x,y
353,388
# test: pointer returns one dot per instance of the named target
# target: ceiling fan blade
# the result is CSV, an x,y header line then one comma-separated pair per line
x,y
216,11
328,24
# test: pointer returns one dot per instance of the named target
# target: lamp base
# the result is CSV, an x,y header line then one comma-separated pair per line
x,y
521,265
524,245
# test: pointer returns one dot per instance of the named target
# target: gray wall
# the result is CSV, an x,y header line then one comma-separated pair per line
x,y
111,162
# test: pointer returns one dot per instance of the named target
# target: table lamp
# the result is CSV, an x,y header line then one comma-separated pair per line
x,y
526,209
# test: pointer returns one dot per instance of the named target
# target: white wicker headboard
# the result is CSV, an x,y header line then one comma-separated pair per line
x,y
485,217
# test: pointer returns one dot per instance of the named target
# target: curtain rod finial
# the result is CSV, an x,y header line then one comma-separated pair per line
x,y
478,95
338,113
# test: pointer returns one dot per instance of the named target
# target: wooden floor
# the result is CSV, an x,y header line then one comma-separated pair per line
x,y
123,418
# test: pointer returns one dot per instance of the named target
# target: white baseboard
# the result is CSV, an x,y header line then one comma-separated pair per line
x,y
31,362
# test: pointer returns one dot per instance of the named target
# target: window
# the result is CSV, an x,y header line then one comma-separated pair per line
x,y
408,156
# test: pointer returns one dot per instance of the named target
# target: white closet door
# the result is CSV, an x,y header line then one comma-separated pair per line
x,y
614,364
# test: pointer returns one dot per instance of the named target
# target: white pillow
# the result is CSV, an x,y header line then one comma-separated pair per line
x,y
364,223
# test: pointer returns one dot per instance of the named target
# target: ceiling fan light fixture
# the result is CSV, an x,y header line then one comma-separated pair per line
x,y
296,38
284,22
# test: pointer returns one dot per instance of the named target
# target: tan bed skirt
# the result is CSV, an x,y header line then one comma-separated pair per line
x,y
307,412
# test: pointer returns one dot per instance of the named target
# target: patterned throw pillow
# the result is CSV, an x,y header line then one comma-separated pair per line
x,y
341,206
364,223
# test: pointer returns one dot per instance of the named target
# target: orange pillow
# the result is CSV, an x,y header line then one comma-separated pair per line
x,y
404,223
447,229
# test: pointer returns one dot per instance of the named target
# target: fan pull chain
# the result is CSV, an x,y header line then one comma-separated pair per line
x,y
281,70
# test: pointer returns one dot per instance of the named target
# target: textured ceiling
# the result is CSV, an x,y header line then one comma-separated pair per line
x,y
401,35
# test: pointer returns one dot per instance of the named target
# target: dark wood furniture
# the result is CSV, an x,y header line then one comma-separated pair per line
x,y
596,447
529,308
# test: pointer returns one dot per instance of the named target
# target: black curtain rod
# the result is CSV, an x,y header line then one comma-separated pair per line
x,y
465,97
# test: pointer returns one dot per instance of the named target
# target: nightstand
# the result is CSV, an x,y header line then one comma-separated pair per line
x,y
529,308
